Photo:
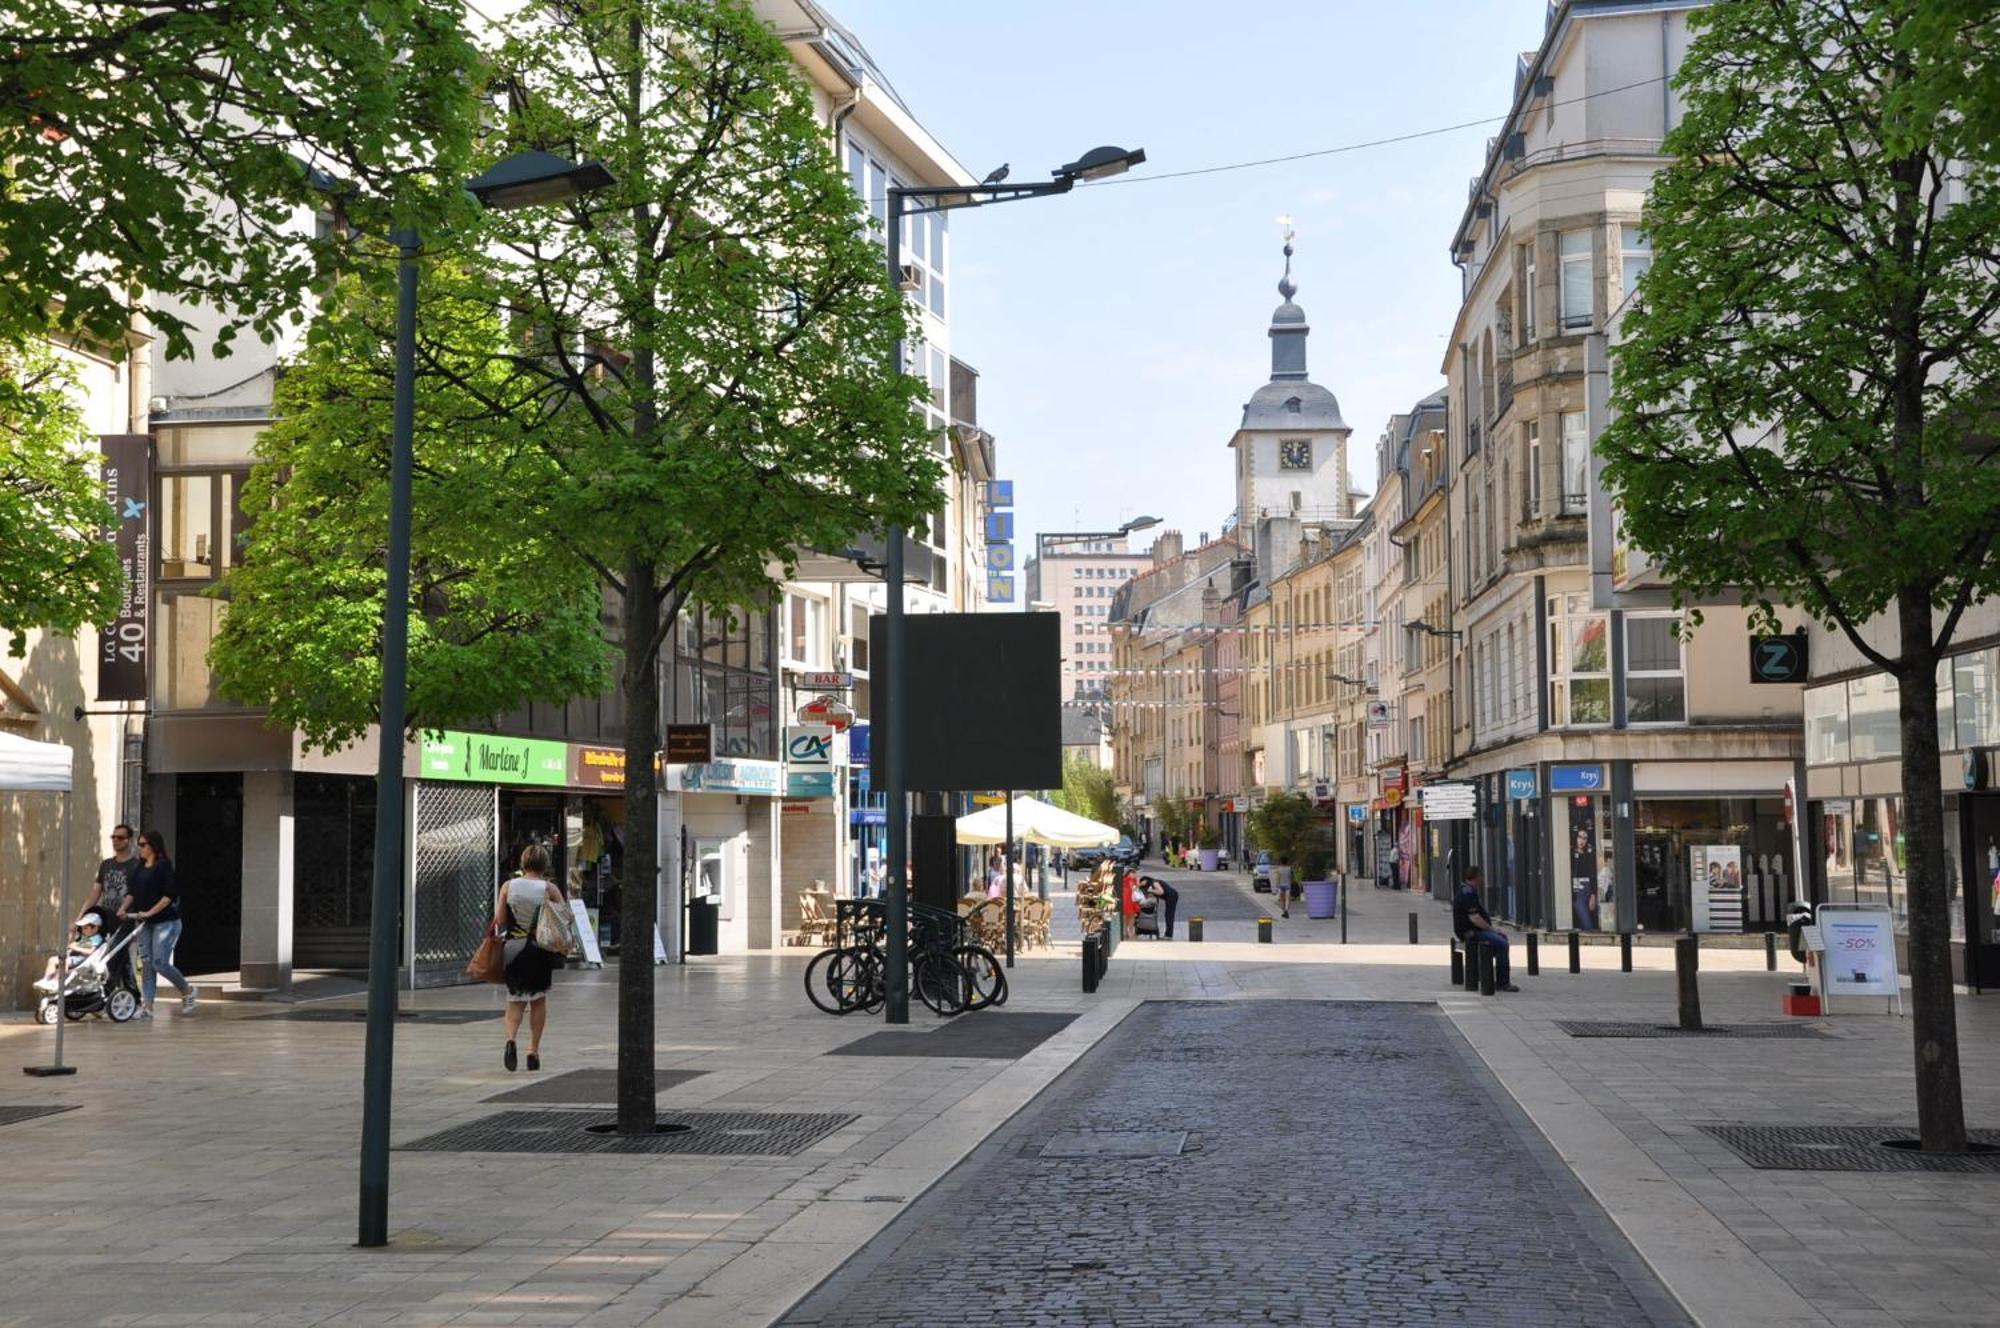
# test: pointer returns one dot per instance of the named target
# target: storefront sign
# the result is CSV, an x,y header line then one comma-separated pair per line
x,y
804,808
596,767
1778,658
763,779
988,799
1575,778
830,710
1717,886
1860,957
1392,779
812,752
827,682
869,816
1356,813
1521,784
690,744
482,758
1380,715
1392,797
122,643
1456,801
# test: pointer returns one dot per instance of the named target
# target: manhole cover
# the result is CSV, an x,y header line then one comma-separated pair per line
x,y
1845,1148
744,1133
592,1086
1613,1028
14,1115
403,1016
1116,1143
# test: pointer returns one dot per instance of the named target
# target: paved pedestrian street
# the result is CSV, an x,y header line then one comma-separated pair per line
x,y
1258,1162
1343,1108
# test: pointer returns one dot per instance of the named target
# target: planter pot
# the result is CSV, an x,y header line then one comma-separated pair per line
x,y
1322,899
1207,856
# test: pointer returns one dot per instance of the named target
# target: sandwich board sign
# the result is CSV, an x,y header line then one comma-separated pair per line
x,y
1858,957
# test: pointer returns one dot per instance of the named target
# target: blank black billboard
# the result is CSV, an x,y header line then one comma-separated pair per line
x,y
983,694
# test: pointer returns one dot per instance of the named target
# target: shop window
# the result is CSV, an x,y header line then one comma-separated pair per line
x,y
1826,724
186,626
1975,678
1873,726
1655,674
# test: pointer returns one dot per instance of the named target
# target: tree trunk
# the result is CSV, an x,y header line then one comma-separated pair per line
x,y
639,891
1934,1016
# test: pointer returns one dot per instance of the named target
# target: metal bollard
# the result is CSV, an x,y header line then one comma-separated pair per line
x,y
1486,956
1090,963
1457,964
1770,952
1264,931
1687,963
1413,929
1624,952
1104,952
1194,930
1473,949
1534,955
1575,953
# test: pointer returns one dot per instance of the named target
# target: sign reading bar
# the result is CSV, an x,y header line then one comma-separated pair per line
x,y
485,759
690,744
122,642
827,682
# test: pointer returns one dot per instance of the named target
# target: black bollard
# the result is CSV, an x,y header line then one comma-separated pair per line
x,y
1624,952
1264,930
1534,955
1413,929
1194,930
1104,951
1486,957
1687,961
1575,953
1473,949
1770,952
1457,965
1089,963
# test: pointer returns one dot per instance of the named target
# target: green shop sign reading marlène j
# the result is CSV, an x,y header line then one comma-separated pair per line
x,y
485,759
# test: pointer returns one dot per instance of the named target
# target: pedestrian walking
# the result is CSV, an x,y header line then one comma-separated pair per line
x,y
530,968
154,900
114,874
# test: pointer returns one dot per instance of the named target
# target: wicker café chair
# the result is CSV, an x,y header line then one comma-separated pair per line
x,y
815,927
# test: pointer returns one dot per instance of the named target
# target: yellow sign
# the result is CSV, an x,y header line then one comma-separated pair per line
x,y
989,799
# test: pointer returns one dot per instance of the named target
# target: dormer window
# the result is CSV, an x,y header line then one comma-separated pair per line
x,y
1293,405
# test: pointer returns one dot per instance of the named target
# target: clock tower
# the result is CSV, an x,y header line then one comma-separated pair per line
x,y
1291,448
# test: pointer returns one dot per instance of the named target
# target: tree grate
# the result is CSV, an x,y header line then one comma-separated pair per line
x,y
358,1016
711,1133
593,1086
1845,1148
1613,1028
980,1035
14,1115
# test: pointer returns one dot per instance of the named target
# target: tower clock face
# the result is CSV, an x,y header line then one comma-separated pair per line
x,y
1296,454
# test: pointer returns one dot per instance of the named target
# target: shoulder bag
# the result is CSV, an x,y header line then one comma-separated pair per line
x,y
555,929
489,961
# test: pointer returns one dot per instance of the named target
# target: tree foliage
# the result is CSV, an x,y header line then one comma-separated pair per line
x,y
57,570
1805,394
1289,826
1089,790
153,152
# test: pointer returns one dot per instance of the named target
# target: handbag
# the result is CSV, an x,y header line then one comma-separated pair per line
x,y
555,929
489,961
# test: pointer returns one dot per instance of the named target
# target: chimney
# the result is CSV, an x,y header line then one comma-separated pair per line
x,y
1203,541
1166,547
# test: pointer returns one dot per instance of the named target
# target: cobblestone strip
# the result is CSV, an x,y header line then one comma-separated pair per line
x,y
1347,1163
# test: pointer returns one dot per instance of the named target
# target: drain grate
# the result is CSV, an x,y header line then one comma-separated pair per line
x,y
14,1115
1612,1028
1115,1143
715,1133
1844,1148
587,1086
357,1016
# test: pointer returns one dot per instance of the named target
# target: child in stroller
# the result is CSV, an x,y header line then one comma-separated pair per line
x,y
100,977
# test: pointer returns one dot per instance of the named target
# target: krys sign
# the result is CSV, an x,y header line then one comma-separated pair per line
x,y
483,759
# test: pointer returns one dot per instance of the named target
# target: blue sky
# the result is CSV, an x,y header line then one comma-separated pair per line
x,y
1118,330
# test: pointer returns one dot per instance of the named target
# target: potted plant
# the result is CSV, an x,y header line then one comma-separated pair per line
x,y
1322,892
1207,840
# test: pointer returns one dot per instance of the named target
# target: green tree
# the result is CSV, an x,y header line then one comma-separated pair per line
x,y
1805,396
1289,826
57,570
153,152
682,379
1088,790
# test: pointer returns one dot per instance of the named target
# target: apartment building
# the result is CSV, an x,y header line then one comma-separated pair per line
x,y
1076,575
1613,744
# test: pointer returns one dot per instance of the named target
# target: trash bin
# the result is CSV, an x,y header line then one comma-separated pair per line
x,y
704,926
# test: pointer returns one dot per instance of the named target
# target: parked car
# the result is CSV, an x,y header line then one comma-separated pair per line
x,y
1260,871
1086,859
1125,851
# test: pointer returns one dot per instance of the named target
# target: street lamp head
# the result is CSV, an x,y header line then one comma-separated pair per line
x,y
532,177
1100,162
1138,523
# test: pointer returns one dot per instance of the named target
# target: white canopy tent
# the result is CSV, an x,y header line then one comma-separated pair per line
x,y
1037,822
27,766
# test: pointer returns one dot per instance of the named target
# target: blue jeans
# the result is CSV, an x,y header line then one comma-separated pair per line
x,y
156,947
1496,941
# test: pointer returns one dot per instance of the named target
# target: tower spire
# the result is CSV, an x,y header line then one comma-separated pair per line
x,y
1288,324
1286,286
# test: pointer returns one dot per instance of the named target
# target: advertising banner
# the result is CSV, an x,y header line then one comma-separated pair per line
x,y
1716,886
1585,906
123,643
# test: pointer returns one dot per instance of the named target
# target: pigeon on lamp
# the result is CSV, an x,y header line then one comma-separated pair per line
x,y
997,175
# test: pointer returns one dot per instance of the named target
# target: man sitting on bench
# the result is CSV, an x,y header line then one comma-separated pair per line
x,y
1470,920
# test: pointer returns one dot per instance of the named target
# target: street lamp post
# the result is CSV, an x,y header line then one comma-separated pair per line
x,y
1092,165
522,180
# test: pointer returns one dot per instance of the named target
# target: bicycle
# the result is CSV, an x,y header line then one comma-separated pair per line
x,y
948,973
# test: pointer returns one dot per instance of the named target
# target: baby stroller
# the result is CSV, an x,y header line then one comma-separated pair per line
x,y
101,983
1147,921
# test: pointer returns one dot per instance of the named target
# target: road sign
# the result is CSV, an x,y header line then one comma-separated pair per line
x,y
1778,658
827,682
1456,801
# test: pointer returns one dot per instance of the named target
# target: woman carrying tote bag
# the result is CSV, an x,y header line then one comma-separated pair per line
x,y
524,902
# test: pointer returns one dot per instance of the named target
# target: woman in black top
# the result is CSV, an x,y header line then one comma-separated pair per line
x,y
155,900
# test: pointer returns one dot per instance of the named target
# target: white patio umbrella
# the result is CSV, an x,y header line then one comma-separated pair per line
x,y
27,766
1037,822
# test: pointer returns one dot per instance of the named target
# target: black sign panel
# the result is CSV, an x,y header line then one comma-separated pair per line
x,y
984,701
122,642
1778,658
690,744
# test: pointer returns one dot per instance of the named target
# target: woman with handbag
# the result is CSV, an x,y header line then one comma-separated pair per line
x,y
534,918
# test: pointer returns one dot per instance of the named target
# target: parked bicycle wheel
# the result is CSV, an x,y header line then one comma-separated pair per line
x,y
822,988
986,980
939,980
